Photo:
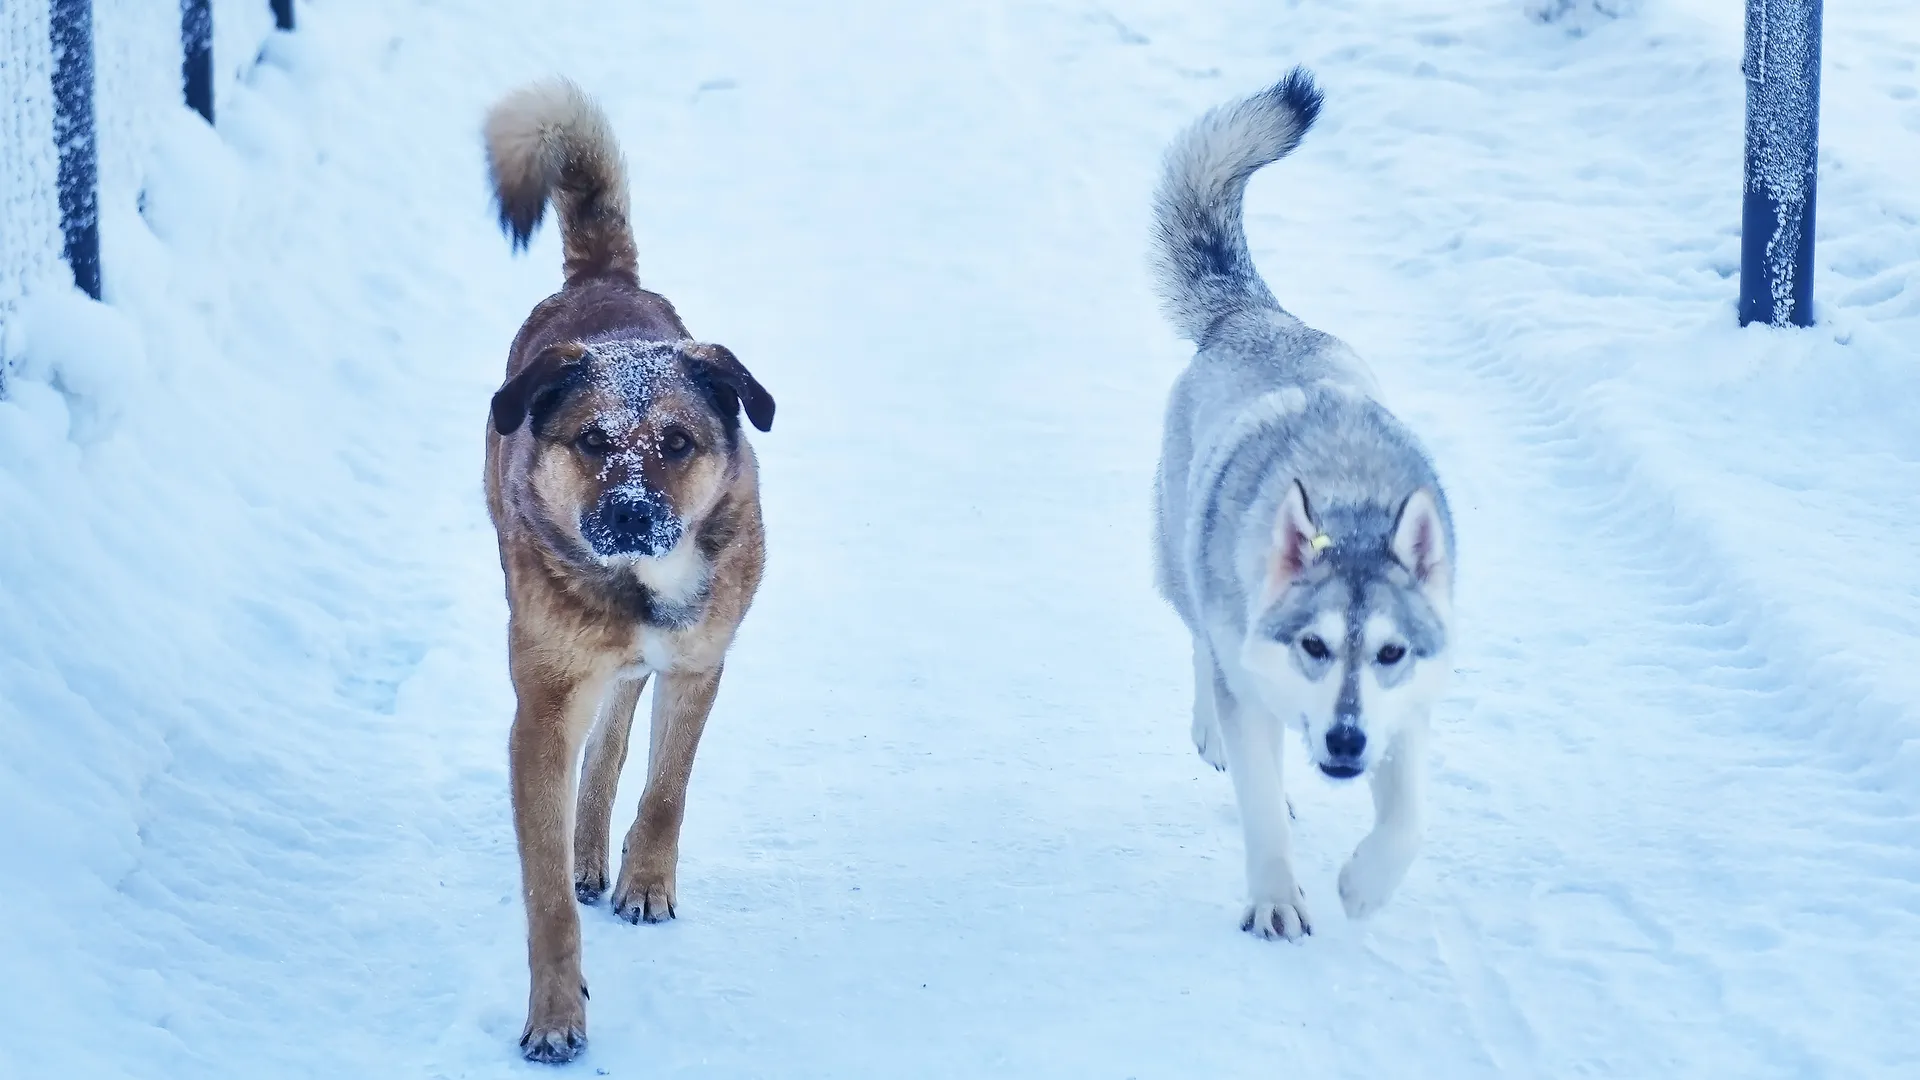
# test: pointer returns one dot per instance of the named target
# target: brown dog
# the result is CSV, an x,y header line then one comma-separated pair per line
x,y
628,511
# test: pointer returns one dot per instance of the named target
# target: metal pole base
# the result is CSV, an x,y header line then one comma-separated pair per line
x,y
1782,67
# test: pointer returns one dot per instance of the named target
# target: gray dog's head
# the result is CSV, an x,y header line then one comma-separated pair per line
x,y
1349,637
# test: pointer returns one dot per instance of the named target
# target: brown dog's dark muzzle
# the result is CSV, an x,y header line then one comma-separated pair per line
x,y
630,522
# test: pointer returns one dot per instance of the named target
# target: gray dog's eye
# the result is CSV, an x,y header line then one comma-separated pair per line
x,y
1314,647
676,443
594,442
1391,654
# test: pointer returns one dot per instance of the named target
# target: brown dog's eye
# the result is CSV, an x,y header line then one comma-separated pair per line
x,y
676,443
594,443
1314,647
1391,654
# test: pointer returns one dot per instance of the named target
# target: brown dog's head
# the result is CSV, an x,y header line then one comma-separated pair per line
x,y
634,442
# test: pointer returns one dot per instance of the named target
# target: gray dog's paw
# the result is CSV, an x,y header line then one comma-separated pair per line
x,y
1272,919
1370,877
1207,740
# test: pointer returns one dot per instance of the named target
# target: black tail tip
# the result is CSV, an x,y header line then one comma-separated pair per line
x,y
1299,93
518,220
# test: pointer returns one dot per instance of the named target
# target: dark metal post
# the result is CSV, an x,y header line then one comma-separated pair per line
x,y
71,39
283,14
1782,67
196,47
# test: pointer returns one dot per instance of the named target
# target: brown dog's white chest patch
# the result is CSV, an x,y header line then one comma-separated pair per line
x,y
654,650
679,577
659,650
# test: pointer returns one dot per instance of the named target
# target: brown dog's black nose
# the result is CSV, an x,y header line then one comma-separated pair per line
x,y
629,523
628,518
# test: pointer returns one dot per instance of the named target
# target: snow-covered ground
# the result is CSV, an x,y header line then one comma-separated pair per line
x,y
946,822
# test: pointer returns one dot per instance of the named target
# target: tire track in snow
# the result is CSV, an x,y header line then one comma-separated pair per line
x,y
1591,916
1501,1025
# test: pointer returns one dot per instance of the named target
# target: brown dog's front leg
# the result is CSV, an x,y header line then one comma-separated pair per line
x,y
554,712
599,780
651,858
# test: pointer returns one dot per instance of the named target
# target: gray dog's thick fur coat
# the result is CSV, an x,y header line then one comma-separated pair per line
x,y
1302,534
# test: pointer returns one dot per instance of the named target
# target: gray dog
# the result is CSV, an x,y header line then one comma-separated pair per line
x,y
1303,536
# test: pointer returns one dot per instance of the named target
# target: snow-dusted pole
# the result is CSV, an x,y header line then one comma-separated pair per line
x,y
283,14
196,49
71,39
1782,67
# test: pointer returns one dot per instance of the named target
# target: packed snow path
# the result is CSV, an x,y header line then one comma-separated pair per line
x,y
946,820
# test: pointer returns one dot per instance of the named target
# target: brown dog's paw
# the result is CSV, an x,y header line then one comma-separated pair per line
x,y
589,879
591,875
556,1030
644,898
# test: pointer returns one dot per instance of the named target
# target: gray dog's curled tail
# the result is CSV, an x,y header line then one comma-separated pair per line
x,y
549,140
1200,261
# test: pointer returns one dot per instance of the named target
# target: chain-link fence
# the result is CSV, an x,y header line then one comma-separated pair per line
x,y
82,85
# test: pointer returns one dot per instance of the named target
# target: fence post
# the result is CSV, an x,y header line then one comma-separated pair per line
x,y
283,14
71,40
196,48
1782,67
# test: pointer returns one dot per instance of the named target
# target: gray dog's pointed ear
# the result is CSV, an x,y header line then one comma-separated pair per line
x,y
1297,540
730,385
533,389
1420,542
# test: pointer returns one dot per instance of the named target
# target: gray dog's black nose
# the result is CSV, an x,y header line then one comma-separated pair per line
x,y
1346,742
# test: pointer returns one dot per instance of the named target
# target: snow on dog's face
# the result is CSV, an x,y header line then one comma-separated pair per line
x,y
1349,641
633,445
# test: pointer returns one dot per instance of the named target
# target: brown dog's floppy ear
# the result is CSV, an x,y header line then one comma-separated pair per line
x,y
732,385
512,401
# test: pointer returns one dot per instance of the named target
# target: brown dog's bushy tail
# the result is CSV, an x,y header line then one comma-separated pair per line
x,y
549,140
